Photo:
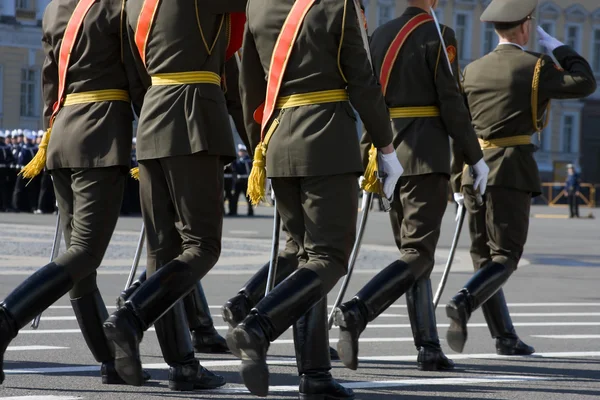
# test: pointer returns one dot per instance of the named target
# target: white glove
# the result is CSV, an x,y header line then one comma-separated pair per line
x,y
390,165
360,181
548,41
460,200
481,171
272,191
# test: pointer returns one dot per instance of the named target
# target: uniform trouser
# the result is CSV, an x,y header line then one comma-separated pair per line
x,y
12,182
416,215
20,197
46,199
498,230
241,187
183,216
88,201
319,213
5,189
573,204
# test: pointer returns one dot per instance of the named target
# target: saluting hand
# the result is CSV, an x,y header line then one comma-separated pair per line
x,y
548,41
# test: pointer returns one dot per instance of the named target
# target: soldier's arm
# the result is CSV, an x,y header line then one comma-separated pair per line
x,y
576,80
363,87
234,102
454,113
49,78
224,6
137,88
253,86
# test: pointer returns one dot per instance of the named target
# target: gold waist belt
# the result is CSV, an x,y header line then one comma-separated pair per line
x,y
505,142
186,78
305,99
414,112
96,96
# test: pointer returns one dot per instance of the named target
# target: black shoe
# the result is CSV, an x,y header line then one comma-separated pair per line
x,y
321,386
457,311
352,321
333,354
209,341
186,378
249,340
111,377
512,347
124,332
433,360
233,313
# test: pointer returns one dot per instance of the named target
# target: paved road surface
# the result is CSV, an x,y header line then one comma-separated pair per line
x,y
554,300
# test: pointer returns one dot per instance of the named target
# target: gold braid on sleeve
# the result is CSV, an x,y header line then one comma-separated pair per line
x,y
538,125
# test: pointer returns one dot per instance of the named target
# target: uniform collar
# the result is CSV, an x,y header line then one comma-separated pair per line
x,y
414,11
511,44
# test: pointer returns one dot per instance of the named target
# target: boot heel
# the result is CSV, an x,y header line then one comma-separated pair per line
x,y
302,396
181,386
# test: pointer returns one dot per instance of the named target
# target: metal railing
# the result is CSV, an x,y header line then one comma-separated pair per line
x,y
554,192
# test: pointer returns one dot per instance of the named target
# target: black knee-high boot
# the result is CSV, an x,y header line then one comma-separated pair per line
x,y
185,372
30,298
311,342
271,317
482,285
205,337
373,299
419,302
501,327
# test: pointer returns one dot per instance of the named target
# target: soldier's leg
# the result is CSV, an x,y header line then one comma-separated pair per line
x,y
205,337
423,202
311,342
190,205
91,220
507,223
324,229
17,196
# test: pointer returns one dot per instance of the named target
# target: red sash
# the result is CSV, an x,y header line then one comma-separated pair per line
x,y
237,21
397,43
69,39
144,25
280,58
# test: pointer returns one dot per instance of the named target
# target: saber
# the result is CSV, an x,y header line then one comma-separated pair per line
x,y
136,258
55,248
353,255
274,251
442,285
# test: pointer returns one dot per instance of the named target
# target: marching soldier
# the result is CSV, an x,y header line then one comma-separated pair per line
x,y
295,118
506,111
22,193
241,168
184,139
426,109
86,148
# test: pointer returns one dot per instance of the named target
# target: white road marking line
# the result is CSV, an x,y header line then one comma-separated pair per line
x,y
32,348
238,389
567,337
568,354
41,398
361,340
372,326
292,361
244,232
574,314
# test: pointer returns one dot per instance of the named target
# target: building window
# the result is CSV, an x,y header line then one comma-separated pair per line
x,y
24,5
490,39
462,22
596,51
29,91
385,11
573,37
439,14
569,133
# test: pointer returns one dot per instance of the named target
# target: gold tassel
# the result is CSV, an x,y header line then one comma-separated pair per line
x,y
135,173
37,164
370,183
258,176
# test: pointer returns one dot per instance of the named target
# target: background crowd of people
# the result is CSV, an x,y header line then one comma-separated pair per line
x,y
18,194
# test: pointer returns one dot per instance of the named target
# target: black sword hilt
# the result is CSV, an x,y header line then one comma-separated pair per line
x,y
384,200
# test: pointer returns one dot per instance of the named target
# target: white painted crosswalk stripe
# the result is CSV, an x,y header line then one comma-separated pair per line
x,y
33,348
292,361
41,398
569,337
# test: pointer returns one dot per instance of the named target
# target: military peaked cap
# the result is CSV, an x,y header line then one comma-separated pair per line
x,y
508,11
